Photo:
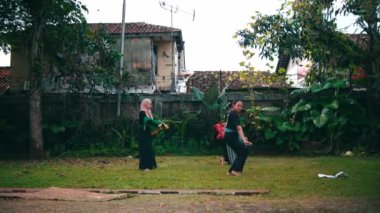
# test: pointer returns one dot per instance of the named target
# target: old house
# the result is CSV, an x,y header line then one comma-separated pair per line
x,y
154,56
297,68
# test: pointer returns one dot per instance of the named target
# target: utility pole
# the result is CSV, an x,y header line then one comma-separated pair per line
x,y
173,74
121,59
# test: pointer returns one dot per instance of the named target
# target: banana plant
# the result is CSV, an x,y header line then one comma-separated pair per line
x,y
314,116
213,102
183,125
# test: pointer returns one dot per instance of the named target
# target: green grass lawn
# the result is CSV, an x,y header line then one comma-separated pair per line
x,y
285,177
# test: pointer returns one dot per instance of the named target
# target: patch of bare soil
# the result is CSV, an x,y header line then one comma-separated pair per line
x,y
63,194
67,200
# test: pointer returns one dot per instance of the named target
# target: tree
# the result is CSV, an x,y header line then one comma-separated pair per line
x,y
308,29
86,55
23,24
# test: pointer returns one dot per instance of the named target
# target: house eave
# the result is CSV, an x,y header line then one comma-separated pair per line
x,y
177,36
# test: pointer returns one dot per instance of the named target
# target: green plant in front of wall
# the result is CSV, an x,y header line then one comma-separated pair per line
x,y
57,134
182,125
179,138
317,113
124,133
14,137
328,109
272,125
187,135
114,138
214,101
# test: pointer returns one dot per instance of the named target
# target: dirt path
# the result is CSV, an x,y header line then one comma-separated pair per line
x,y
178,203
66,200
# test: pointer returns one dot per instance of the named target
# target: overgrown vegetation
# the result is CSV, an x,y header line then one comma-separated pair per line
x,y
328,116
214,101
330,111
60,47
324,119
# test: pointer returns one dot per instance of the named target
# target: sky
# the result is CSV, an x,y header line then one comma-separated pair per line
x,y
209,42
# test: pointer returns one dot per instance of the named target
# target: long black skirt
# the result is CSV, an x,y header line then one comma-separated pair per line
x,y
232,140
146,152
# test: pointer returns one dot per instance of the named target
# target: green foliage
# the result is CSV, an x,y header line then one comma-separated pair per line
x,y
303,29
211,98
74,138
187,135
86,58
20,19
308,30
274,129
57,134
14,135
183,125
24,24
321,113
119,138
213,102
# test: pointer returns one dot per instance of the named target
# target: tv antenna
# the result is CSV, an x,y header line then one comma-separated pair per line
x,y
165,6
172,10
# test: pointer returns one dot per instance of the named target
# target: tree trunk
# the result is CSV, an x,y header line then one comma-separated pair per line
x,y
35,118
36,147
372,68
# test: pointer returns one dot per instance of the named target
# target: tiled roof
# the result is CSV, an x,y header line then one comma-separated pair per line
x,y
142,29
134,28
5,73
235,79
360,39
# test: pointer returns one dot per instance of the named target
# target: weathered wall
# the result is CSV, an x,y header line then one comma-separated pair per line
x,y
14,111
20,70
103,108
164,65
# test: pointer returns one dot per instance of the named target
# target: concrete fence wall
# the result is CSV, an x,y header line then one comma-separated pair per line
x,y
103,108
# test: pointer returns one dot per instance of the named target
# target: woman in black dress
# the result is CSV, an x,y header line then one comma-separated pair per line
x,y
234,137
145,137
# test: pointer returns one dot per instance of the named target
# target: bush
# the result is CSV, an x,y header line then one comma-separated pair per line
x,y
328,116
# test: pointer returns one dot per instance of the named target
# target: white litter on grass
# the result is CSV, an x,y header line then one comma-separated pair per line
x,y
339,174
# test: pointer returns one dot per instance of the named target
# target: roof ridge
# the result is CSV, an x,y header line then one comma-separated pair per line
x,y
138,22
135,27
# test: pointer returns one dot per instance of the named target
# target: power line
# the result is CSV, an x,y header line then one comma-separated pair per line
x,y
166,6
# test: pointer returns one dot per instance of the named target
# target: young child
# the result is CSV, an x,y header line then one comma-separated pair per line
x,y
219,128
